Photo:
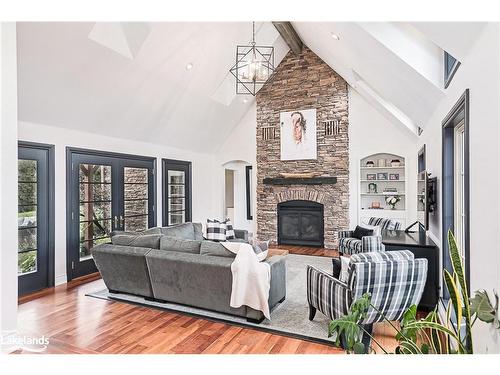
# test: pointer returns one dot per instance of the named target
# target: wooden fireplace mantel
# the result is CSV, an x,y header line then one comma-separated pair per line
x,y
300,181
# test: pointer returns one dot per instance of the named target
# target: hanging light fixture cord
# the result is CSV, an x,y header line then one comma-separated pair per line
x,y
253,33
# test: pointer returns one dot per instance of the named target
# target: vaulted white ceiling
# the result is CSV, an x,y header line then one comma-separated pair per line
x,y
130,79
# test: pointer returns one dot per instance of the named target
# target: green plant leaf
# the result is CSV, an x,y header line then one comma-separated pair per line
x,y
423,324
424,349
459,273
359,348
481,307
454,295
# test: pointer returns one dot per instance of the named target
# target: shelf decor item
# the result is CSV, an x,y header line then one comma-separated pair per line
x,y
371,176
376,206
394,176
382,176
372,188
392,200
370,163
395,163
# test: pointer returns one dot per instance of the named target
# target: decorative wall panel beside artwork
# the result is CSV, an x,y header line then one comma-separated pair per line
x,y
331,127
298,135
268,133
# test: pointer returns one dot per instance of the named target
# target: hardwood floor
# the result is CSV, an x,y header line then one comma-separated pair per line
x,y
79,324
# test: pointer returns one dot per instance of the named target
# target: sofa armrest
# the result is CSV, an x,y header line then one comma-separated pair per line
x,y
372,243
329,295
345,233
123,268
241,234
277,292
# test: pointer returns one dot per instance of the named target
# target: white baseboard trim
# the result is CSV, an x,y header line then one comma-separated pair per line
x,y
61,279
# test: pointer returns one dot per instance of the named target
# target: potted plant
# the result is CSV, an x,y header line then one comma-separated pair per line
x,y
392,200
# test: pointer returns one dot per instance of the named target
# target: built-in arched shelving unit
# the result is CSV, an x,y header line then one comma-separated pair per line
x,y
382,175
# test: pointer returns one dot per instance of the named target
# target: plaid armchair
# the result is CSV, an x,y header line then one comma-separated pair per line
x,y
350,245
389,224
394,279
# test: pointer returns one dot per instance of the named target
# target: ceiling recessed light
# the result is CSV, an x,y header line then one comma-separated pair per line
x,y
189,66
335,36
245,100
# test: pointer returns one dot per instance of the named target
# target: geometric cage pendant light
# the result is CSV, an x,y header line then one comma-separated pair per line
x,y
254,66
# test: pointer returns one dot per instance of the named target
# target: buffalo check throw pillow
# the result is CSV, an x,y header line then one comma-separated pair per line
x,y
220,231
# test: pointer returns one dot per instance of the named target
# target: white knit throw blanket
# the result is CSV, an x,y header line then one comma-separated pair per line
x,y
251,278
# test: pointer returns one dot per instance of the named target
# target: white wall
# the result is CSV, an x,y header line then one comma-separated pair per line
x,y
238,150
479,72
371,133
8,179
202,166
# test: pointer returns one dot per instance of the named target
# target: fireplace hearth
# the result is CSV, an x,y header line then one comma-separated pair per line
x,y
301,223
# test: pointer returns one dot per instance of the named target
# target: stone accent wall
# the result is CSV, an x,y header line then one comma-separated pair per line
x,y
302,82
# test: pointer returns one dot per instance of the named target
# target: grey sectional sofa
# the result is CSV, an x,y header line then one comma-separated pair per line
x,y
175,264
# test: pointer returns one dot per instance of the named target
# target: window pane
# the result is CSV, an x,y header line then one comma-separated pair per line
x,y
136,224
85,246
26,216
26,193
136,191
135,175
27,239
176,218
133,208
176,204
95,211
95,173
176,177
94,229
176,191
95,192
26,170
27,262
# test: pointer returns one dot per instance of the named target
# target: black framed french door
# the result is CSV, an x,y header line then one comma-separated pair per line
x,y
176,192
106,192
35,218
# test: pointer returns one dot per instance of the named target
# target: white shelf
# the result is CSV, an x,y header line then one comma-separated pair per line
x,y
366,198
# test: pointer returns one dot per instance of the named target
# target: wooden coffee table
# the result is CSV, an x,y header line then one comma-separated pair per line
x,y
273,252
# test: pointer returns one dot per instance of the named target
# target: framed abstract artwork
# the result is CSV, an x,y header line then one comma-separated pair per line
x,y
298,135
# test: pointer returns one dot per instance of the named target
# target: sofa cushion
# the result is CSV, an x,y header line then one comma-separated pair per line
x,y
216,231
215,249
154,230
361,232
151,241
187,231
180,245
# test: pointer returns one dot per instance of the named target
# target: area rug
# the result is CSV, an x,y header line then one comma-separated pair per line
x,y
290,318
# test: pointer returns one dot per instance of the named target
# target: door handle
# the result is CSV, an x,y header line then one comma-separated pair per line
x,y
121,222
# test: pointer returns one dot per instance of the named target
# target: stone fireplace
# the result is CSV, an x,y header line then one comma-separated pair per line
x,y
301,82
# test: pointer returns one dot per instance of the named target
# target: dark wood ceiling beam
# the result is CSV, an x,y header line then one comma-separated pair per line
x,y
290,36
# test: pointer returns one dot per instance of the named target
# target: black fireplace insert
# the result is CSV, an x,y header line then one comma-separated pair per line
x,y
300,223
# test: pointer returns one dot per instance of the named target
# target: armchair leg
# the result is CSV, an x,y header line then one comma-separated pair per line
x,y
312,312
367,340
